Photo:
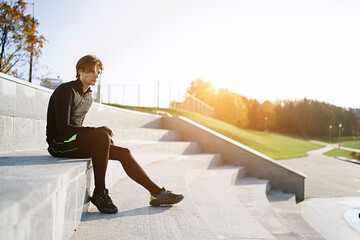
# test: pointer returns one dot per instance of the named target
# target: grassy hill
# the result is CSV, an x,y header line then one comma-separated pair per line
x,y
352,144
276,146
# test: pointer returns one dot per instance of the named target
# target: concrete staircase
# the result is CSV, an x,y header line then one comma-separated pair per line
x,y
275,210
42,197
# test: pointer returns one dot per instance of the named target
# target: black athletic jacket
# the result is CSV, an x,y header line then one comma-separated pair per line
x,y
67,108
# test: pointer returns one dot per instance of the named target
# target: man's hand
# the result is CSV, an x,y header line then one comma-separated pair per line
x,y
108,130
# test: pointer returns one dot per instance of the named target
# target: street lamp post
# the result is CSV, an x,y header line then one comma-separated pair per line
x,y
330,127
340,126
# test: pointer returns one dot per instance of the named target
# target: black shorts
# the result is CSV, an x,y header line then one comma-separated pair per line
x,y
69,148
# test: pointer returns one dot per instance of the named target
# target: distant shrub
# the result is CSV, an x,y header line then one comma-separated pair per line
x,y
355,155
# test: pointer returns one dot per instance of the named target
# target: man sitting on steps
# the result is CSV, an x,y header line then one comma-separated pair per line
x,y
67,138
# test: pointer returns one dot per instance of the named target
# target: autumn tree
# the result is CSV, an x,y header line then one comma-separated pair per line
x,y
229,107
305,118
11,35
19,38
203,91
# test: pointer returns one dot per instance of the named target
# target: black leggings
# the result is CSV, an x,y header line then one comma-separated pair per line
x,y
97,145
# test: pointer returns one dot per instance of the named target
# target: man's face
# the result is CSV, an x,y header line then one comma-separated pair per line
x,y
90,77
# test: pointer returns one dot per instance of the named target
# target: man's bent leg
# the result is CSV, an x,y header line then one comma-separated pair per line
x,y
133,168
96,144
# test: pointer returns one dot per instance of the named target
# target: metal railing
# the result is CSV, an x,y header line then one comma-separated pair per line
x,y
193,104
152,95
157,94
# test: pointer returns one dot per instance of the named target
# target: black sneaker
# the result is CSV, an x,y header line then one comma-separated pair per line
x,y
103,202
165,198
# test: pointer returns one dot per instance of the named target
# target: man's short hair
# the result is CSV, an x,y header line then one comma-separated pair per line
x,y
88,63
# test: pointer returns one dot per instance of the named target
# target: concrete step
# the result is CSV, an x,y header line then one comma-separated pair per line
x,y
146,134
285,205
327,216
146,152
42,197
162,147
137,220
251,192
213,196
198,167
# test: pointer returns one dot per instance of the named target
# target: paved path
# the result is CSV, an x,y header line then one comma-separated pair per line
x,y
327,176
332,188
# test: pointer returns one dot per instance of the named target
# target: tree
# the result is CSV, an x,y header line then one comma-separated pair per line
x,y
267,110
11,35
19,38
203,91
254,115
230,108
305,118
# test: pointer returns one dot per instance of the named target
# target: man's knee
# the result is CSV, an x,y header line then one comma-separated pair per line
x,y
127,151
102,137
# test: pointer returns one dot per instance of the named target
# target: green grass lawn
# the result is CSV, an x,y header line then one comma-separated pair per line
x,y
276,146
352,144
336,152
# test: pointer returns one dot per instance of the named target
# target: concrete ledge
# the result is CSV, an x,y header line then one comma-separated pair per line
x,y
145,134
117,117
161,147
41,197
256,164
22,99
45,198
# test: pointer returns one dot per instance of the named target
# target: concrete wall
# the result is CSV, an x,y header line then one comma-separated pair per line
x,y
42,197
22,114
256,164
23,109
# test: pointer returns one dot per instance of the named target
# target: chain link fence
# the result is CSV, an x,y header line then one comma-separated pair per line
x,y
151,95
141,95
193,104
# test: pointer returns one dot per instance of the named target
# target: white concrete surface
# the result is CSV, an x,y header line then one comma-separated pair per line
x,y
326,215
149,134
214,199
137,220
332,189
251,192
285,205
352,217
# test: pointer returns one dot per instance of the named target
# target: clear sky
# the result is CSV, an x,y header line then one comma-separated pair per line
x,y
263,49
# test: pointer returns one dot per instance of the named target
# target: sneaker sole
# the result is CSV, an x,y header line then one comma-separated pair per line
x,y
107,211
156,203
